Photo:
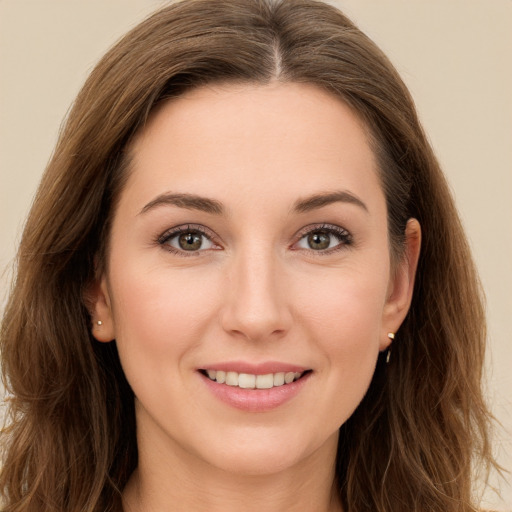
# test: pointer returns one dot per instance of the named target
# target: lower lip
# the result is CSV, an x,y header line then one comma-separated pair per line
x,y
255,400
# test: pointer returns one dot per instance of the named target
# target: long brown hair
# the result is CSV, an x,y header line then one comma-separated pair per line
x,y
70,443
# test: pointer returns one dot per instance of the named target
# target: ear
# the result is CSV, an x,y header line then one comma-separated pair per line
x,y
401,284
97,299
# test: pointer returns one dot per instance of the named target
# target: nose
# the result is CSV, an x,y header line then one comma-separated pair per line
x,y
257,305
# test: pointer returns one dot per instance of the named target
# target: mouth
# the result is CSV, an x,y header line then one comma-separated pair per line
x,y
255,387
253,381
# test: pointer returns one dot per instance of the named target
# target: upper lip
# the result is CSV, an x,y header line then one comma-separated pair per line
x,y
255,369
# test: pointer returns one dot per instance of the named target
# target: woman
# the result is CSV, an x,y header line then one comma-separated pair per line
x,y
243,282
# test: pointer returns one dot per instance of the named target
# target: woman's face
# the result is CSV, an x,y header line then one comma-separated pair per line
x,y
250,245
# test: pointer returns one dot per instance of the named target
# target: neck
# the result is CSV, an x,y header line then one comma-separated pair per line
x,y
171,478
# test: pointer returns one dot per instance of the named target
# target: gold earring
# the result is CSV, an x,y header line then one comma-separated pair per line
x,y
391,336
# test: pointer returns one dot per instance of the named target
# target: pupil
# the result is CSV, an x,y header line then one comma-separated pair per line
x,y
319,240
190,241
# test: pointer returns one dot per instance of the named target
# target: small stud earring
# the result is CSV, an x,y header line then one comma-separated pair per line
x,y
391,336
99,322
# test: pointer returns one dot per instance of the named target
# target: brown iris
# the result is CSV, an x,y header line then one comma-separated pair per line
x,y
319,240
190,241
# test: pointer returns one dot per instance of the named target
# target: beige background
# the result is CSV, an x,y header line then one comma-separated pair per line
x,y
455,55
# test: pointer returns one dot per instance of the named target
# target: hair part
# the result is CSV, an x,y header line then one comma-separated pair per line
x,y
412,442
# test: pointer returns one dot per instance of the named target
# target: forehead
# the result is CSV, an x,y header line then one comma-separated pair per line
x,y
279,140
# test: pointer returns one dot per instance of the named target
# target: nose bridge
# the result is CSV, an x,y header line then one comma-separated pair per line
x,y
256,307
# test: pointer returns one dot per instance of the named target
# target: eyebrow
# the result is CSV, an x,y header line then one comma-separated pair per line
x,y
188,201
205,204
323,199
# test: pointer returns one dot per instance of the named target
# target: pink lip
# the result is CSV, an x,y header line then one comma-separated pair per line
x,y
255,369
255,400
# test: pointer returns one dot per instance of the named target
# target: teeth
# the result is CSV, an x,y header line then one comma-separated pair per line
x,y
278,379
289,377
265,381
232,379
250,381
247,381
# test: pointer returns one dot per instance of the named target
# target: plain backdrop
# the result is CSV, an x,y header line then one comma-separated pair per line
x,y
455,56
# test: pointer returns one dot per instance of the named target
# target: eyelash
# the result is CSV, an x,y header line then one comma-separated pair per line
x,y
343,236
179,230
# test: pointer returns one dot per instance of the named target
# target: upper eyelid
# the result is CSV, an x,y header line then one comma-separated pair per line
x,y
183,228
321,226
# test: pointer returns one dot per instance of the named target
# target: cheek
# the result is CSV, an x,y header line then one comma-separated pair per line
x,y
347,304
344,320
159,315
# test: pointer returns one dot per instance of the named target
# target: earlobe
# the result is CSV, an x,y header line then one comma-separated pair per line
x,y
99,305
401,285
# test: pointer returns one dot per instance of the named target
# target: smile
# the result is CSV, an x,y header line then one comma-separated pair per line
x,y
252,381
255,387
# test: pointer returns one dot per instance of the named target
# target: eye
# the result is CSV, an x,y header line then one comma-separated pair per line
x,y
186,239
324,238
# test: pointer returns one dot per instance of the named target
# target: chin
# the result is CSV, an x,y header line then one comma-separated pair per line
x,y
265,454
255,462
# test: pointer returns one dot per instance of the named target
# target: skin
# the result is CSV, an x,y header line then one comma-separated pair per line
x,y
257,291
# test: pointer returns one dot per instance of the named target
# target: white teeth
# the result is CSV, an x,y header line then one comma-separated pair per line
x,y
265,381
246,381
232,379
279,379
289,377
250,381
